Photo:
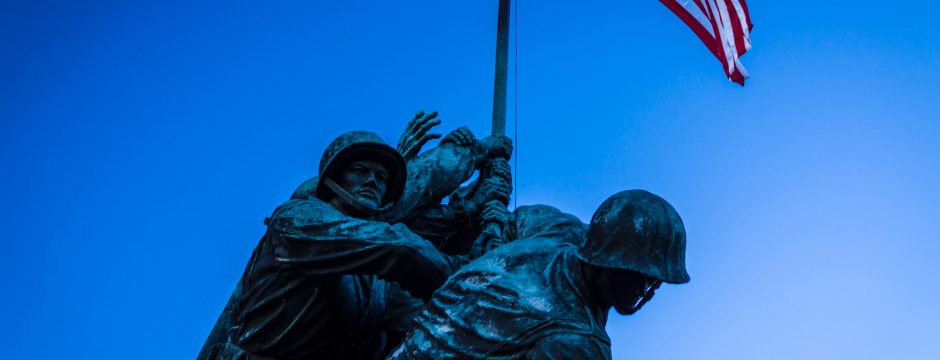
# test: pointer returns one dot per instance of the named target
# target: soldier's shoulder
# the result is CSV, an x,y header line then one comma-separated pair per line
x,y
302,212
293,206
522,255
537,245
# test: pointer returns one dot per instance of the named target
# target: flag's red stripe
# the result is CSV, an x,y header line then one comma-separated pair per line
x,y
693,23
714,41
705,10
747,16
719,41
737,77
736,28
702,8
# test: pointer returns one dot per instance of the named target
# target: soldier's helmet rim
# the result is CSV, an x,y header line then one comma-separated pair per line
x,y
639,231
363,145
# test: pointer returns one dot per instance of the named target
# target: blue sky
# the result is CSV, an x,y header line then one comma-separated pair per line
x,y
145,141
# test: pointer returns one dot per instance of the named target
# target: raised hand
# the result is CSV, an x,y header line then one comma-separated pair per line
x,y
494,188
494,218
416,134
462,136
499,167
497,146
495,212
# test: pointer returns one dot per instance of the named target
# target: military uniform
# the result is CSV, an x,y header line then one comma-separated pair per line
x,y
315,285
538,297
526,299
513,303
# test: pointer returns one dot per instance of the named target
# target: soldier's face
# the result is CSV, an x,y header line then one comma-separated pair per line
x,y
365,180
627,289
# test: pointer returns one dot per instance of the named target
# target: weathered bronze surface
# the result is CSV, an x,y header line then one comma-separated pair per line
x,y
547,294
366,261
338,275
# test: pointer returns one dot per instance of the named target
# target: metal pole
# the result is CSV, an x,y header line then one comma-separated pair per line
x,y
502,57
499,100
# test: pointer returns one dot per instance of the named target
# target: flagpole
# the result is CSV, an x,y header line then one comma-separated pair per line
x,y
502,57
499,96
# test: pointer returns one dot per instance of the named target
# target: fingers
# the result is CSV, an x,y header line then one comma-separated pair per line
x,y
461,136
408,152
494,211
497,185
498,146
497,189
500,167
416,133
506,145
464,135
406,138
425,124
425,119
419,120
404,148
413,123
494,190
426,138
414,120
495,207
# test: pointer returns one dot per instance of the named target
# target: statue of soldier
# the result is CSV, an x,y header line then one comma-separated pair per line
x,y
547,295
435,174
315,285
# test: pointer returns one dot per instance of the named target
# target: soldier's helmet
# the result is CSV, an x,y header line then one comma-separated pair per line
x,y
362,145
307,189
636,230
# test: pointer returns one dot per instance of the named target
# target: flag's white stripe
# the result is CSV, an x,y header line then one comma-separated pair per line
x,y
714,21
740,66
731,49
699,14
693,9
727,34
708,12
742,19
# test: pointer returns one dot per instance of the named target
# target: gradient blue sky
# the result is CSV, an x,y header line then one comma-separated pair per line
x,y
143,143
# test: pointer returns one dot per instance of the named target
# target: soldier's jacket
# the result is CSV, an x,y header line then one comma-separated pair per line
x,y
315,285
544,221
524,300
296,301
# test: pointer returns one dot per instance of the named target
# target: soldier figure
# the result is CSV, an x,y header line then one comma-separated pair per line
x,y
547,295
316,286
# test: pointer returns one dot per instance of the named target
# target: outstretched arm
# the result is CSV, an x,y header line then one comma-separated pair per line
x,y
436,173
314,239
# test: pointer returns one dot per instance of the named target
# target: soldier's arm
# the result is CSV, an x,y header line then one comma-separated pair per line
x,y
314,239
569,347
400,310
457,224
431,176
440,223
438,172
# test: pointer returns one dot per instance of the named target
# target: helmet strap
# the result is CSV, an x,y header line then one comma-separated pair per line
x,y
354,202
646,297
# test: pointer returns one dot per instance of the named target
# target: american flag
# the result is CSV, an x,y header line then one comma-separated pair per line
x,y
723,25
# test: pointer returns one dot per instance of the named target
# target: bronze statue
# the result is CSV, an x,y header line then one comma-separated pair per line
x,y
333,277
547,294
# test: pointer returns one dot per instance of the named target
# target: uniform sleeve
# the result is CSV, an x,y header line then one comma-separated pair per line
x,y
223,325
433,175
569,347
400,310
436,224
313,238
